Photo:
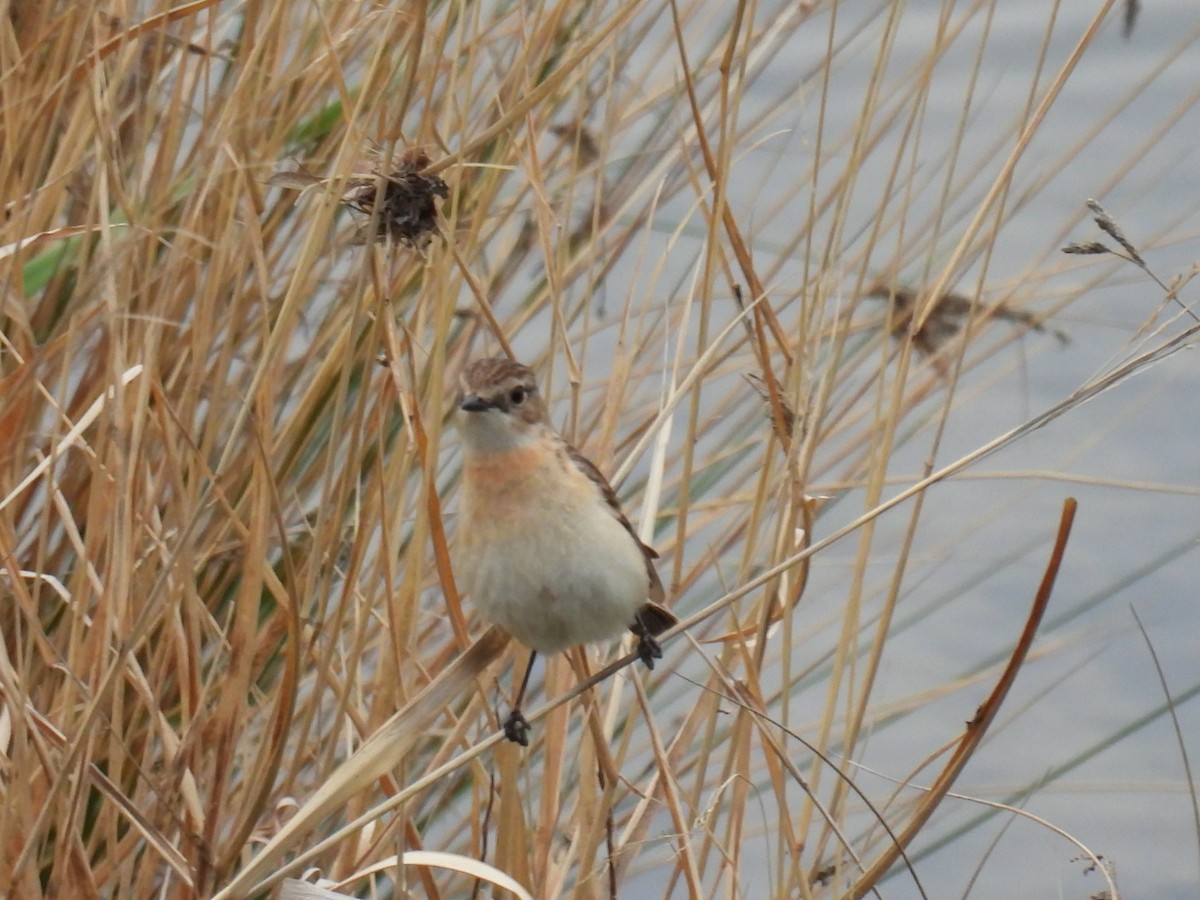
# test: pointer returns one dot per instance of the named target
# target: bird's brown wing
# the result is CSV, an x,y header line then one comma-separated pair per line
x,y
655,592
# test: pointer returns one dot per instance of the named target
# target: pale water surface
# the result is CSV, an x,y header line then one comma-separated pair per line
x,y
1081,740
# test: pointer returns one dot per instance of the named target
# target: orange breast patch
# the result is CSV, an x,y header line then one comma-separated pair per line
x,y
500,469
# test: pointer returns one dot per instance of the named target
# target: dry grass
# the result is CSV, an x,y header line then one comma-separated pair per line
x,y
226,528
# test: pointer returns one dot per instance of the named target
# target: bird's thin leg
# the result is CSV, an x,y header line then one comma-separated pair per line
x,y
516,728
647,647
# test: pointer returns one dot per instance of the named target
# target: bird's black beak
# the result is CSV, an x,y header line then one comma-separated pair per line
x,y
474,403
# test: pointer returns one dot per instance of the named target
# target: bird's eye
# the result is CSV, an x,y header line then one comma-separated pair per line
x,y
517,396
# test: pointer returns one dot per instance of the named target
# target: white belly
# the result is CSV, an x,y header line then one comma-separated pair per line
x,y
575,578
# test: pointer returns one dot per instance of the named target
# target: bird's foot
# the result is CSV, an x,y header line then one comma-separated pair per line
x,y
648,649
516,728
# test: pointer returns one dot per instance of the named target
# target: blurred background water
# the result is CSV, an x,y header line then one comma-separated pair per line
x,y
1083,740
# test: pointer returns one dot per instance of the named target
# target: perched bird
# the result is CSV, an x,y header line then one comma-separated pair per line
x,y
542,547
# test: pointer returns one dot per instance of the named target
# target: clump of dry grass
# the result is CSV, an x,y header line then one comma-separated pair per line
x,y
399,198
947,318
231,635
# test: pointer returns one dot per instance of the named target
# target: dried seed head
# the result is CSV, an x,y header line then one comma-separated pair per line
x,y
1086,249
949,315
944,321
1106,224
789,414
405,210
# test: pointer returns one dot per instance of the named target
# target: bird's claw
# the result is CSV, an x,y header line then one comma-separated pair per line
x,y
516,728
648,650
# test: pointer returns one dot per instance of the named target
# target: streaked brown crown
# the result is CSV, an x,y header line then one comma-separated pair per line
x,y
503,384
